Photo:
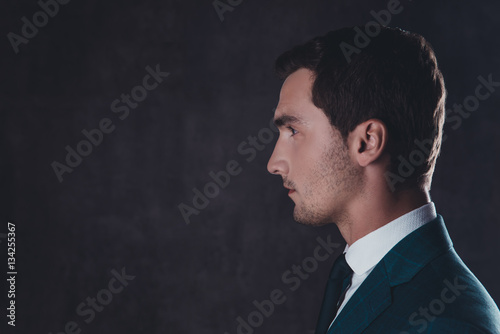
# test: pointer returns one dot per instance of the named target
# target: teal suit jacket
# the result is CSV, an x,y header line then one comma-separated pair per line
x,y
420,286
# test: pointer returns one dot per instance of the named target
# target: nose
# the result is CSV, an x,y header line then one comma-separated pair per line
x,y
277,164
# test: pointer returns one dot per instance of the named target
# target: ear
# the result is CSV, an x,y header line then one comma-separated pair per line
x,y
368,141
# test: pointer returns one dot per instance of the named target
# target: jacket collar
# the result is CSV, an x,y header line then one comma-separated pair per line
x,y
400,265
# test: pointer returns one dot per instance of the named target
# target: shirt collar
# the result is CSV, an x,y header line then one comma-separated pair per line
x,y
366,252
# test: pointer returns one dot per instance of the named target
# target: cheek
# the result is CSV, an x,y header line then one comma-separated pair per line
x,y
300,162
307,160
306,172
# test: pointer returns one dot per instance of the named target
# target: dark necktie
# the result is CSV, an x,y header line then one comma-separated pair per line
x,y
340,278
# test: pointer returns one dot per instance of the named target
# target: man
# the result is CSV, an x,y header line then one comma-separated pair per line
x,y
360,131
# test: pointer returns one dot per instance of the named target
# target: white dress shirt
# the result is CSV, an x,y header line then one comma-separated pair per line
x,y
364,254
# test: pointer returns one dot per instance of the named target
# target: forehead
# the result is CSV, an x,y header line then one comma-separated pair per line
x,y
296,98
296,95
298,83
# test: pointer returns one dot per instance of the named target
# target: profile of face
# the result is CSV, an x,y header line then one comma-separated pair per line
x,y
311,156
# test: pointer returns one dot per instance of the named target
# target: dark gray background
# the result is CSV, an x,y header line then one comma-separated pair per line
x,y
119,207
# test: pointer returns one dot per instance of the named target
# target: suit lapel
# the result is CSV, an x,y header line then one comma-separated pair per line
x,y
371,299
398,266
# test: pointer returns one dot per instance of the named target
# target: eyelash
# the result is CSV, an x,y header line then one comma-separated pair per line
x,y
294,132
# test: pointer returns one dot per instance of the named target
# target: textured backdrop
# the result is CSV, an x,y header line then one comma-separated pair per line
x,y
104,248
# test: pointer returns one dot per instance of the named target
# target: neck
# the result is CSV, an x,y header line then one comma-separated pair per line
x,y
372,210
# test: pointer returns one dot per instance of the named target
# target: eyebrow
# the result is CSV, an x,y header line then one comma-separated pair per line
x,y
287,119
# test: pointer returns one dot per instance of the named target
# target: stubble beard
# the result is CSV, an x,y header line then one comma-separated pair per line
x,y
332,181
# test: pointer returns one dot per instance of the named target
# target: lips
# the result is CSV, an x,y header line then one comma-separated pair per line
x,y
290,190
288,185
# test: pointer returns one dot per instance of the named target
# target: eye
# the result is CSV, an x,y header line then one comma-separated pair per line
x,y
294,132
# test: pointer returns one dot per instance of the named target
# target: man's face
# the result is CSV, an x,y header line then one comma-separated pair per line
x,y
311,156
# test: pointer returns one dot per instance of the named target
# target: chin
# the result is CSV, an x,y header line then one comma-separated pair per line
x,y
310,218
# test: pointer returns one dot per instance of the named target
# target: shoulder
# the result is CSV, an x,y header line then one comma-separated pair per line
x,y
443,296
448,326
